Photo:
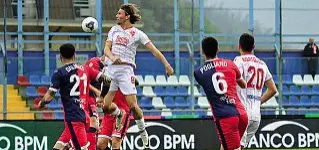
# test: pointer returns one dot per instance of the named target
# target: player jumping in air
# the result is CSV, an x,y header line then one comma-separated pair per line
x,y
120,47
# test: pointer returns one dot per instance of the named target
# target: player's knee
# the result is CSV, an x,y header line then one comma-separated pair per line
x,y
101,146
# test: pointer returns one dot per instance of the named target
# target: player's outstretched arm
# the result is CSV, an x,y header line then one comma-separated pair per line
x,y
242,83
270,92
47,98
151,47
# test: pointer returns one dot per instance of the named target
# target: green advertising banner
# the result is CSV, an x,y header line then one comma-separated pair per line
x,y
29,135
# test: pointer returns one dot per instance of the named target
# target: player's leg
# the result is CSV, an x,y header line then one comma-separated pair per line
x,y
93,126
243,141
77,130
251,130
127,86
108,106
63,140
227,129
118,135
105,134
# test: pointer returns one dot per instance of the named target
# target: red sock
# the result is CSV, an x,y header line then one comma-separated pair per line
x,y
92,139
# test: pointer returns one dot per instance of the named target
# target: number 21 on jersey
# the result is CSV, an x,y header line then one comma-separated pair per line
x,y
75,91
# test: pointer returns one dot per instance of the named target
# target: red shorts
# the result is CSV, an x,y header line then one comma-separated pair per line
x,y
92,107
107,128
230,130
74,133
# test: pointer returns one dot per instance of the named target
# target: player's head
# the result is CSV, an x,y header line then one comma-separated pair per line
x,y
246,42
67,52
128,12
210,47
311,40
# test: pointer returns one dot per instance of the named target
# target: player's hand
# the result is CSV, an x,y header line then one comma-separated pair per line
x,y
169,70
107,81
41,104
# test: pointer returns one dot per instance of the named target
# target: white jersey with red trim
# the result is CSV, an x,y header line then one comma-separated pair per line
x,y
255,72
125,42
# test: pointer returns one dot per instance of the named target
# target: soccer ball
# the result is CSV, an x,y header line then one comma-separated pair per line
x,y
89,24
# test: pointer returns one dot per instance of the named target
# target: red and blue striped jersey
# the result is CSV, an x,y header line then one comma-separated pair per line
x,y
73,80
218,77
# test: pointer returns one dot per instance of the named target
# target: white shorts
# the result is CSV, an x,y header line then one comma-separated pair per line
x,y
251,129
122,77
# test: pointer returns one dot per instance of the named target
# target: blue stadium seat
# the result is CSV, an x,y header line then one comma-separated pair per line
x,y
159,91
294,90
268,111
293,101
181,91
57,94
59,115
285,90
146,103
201,90
35,80
189,102
139,91
169,102
60,105
285,101
315,90
180,102
305,90
180,112
314,100
305,101
170,91
302,111
201,112
45,80
291,111
286,79
31,92
53,104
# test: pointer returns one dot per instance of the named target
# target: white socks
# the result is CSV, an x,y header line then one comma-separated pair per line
x,y
140,124
116,112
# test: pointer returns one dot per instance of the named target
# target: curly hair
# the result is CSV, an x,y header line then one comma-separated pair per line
x,y
132,10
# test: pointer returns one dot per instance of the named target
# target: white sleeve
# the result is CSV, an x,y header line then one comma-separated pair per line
x,y
268,74
110,34
238,63
143,38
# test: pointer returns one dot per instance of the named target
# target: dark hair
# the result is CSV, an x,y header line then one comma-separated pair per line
x,y
131,9
210,46
247,42
67,51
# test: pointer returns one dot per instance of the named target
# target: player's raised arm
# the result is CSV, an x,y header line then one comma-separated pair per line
x,y
150,46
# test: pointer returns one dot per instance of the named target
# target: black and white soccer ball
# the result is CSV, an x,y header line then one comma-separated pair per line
x,y
89,24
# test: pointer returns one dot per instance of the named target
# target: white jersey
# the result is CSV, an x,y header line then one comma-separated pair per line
x,y
255,72
125,42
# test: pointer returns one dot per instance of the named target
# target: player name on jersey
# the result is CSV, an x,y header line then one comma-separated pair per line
x,y
212,65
